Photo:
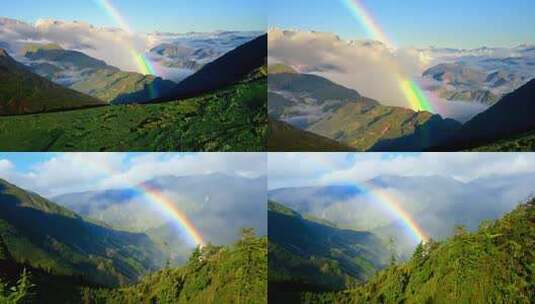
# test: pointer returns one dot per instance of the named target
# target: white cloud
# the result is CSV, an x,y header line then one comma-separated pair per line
x,y
74,172
370,67
5,165
112,45
312,169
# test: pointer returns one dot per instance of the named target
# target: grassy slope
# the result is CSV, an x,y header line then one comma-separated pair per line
x,y
493,265
122,87
22,91
233,274
285,137
362,125
233,119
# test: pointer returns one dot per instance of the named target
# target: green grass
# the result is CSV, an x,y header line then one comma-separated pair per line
x,y
233,119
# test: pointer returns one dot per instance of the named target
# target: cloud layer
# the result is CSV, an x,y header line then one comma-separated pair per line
x,y
75,172
369,67
112,45
345,168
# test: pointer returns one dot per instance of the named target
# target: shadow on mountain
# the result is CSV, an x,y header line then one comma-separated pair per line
x,y
510,117
224,71
432,132
155,89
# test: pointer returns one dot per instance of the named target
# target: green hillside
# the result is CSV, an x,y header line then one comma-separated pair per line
x,y
93,77
285,137
323,107
306,255
232,119
22,91
213,274
122,87
493,265
44,235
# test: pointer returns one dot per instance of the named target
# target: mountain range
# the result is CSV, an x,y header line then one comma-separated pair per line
x,y
44,235
314,104
484,75
80,72
228,115
435,203
45,247
317,105
220,205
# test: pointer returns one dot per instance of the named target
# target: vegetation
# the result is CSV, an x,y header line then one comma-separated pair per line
x,y
520,143
343,115
285,137
493,265
232,119
22,91
213,274
306,255
45,236
18,294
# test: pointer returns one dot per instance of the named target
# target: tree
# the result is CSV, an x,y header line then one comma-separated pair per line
x,y
18,294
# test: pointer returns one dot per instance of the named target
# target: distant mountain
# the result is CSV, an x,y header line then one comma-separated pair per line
x,y
94,77
510,117
44,235
192,51
213,274
486,75
284,137
436,203
310,255
23,92
128,209
228,69
491,265
218,204
322,107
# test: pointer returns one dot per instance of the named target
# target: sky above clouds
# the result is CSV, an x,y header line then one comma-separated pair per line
x,y
147,16
416,23
307,169
51,174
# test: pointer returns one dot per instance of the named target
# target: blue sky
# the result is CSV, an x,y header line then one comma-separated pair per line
x,y
147,16
421,23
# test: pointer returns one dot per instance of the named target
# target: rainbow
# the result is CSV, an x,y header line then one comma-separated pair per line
x,y
144,65
167,205
414,95
164,204
394,207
